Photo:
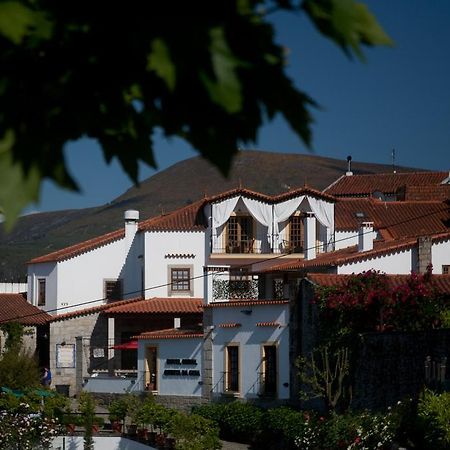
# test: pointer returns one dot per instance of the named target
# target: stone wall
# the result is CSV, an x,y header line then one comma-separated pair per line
x,y
92,330
391,366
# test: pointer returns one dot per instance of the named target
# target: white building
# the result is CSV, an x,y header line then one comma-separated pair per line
x,y
226,261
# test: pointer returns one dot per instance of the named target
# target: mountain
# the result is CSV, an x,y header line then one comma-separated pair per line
x,y
180,184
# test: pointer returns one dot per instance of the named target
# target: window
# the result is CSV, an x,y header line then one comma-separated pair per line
x,y
240,237
296,235
180,279
445,270
41,292
269,370
113,289
232,369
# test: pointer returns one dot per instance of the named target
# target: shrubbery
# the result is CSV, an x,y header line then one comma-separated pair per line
x,y
434,420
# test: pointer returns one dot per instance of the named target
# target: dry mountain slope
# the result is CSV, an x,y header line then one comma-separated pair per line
x,y
182,183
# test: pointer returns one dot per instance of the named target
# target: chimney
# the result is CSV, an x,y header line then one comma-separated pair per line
x,y
310,236
365,237
349,172
423,253
177,322
131,217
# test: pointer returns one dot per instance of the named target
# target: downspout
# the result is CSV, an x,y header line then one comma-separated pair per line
x,y
273,228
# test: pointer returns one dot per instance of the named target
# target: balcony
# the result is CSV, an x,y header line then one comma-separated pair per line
x,y
235,289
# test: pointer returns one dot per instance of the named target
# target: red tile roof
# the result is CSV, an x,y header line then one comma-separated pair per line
x,y
388,183
422,193
183,305
440,282
399,219
270,198
229,325
77,249
139,306
240,303
16,308
171,333
351,254
188,218
93,309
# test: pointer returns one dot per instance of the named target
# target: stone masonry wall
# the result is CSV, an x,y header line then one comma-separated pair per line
x,y
93,331
391,366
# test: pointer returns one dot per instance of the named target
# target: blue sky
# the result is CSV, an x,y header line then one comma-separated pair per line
x,y
399,98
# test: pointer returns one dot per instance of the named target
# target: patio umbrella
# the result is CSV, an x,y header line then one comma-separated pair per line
x,y
130,345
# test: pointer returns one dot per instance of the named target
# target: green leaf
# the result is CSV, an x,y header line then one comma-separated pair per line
x,y
17,189
226,89
347,22
17,21
161,63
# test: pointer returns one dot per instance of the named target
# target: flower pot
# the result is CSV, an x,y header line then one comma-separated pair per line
x,y
117,426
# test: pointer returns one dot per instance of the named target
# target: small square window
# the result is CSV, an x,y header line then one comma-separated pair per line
x,y
180,280
445,270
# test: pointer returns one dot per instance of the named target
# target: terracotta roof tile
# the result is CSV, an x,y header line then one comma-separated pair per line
x,y
388,183
270,198
399,219
269,324
182,305
229,325
16,308
351,254
440,282
188,218
82,247
423,193
240,303
93,309
171,333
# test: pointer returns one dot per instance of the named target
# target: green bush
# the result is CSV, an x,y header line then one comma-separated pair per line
x,y
237,421
194,432
118,410
19,370
282,428
434,420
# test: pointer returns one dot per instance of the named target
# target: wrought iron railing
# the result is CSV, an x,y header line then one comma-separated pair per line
x,y
235,289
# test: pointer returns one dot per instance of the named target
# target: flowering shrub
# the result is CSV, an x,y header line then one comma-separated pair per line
x,y
350,431
367,303
23,429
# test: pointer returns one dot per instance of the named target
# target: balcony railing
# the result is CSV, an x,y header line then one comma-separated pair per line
x,y
236,289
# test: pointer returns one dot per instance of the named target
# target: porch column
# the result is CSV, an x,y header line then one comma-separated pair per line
x,y
111,342
310,236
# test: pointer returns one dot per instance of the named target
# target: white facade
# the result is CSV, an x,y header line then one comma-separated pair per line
x,y
179,365
250,340
440,255
171,250
400,262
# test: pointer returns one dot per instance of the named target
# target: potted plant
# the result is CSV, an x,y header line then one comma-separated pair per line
x,y
117,412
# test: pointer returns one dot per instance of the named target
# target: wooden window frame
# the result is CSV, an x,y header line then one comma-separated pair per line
x,y
41,291
298,216
171,270
229,379
240,245
445,269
